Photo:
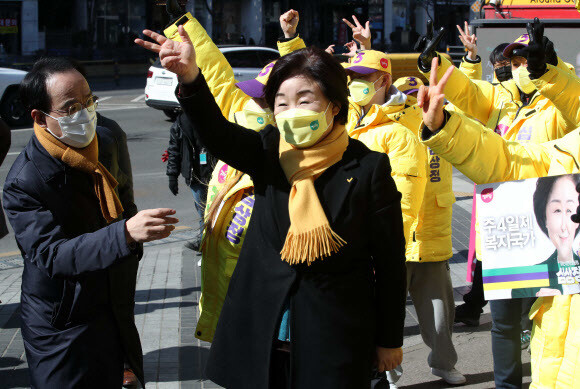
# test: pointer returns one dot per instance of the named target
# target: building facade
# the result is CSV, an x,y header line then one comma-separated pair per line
x,y
101,29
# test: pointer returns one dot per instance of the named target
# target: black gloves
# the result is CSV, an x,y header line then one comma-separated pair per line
x,y
551,56
539,51
427,45
173,186
576,217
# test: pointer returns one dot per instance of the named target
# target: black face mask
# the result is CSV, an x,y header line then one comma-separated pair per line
x,y
503,73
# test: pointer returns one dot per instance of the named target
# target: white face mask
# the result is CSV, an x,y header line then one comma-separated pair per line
x,y
302,127
522,80
77,131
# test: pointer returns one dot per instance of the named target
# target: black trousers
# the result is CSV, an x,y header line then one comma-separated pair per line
x,y
474,298
280,366
507,316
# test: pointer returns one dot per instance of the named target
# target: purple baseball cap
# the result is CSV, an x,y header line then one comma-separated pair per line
x,y
409,91
255,87
252,88
522,41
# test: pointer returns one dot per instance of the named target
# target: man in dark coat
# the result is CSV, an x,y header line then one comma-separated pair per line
x,y
80,254
114,154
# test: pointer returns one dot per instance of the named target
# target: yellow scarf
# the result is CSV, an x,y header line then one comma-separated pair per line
x,y
85,160
310,235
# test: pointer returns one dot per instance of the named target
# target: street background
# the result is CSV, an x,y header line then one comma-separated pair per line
x,y
168,283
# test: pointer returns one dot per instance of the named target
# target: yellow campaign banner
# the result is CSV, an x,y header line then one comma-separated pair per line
x,y
543,3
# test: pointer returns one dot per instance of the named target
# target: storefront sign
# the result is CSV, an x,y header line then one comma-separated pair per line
x,y
8,26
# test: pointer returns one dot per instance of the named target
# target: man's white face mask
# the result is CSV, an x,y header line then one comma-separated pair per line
x,y
77,130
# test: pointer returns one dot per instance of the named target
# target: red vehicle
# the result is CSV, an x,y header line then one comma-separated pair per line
x,y
505,20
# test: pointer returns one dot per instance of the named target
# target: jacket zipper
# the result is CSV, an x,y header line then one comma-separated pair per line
x,y
565,152
524,105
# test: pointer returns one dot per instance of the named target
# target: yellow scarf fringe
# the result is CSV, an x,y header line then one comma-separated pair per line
x,y
310,245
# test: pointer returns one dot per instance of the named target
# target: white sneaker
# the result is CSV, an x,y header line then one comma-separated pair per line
x,y
452,376
393,386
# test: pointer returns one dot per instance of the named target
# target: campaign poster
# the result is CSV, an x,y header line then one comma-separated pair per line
x,y
529,244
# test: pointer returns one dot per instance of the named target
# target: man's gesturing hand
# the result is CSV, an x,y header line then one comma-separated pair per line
x,y
177,57
289,23
150,224
431,98
388,358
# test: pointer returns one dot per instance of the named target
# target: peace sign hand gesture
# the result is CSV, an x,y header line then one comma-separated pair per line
x,y
469,41
359,33
177,57
431,98
535,51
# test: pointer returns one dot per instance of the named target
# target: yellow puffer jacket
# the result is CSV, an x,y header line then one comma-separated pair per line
x,y
499,107
485,157
215,68
473,70
380,129
221,248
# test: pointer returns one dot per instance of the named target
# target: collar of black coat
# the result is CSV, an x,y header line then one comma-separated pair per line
x,y
48,167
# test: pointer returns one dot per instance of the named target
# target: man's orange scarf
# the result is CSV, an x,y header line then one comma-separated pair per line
x,y
85,160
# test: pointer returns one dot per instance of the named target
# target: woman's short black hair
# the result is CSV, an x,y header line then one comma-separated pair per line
x,y
33,92
317,65
497,54
543,191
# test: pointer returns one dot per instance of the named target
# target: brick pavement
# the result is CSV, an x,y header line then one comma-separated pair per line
x,y
166,311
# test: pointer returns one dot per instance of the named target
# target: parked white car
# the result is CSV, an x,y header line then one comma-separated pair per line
x,y
247,61
11,110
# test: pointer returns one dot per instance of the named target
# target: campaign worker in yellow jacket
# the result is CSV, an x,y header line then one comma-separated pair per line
x,y
485,157
230,193
537,116
377,117
409,86
380,118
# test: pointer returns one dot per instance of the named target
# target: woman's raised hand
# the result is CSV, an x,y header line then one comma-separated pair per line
x,y
432,98
359,33
177,57
289,23
469,41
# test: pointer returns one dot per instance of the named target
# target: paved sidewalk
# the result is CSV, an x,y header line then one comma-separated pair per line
x,y
168,288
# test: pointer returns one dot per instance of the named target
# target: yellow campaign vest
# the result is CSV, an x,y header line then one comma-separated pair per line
x,y
222,247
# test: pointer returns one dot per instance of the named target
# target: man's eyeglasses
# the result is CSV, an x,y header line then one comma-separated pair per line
x,y
91,105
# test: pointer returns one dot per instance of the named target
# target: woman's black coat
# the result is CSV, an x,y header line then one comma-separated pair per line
x,y
339,307
78,282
